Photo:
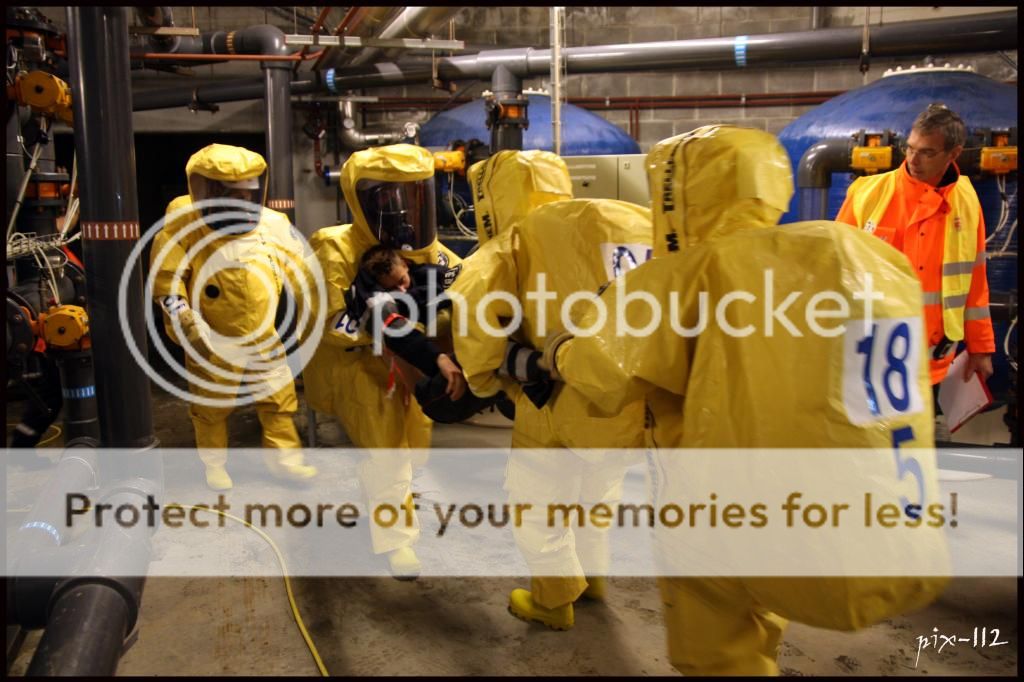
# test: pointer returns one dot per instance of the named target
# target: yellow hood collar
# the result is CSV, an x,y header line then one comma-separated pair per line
x,y
714,180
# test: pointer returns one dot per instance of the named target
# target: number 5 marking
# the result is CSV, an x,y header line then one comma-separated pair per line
x,y
908,465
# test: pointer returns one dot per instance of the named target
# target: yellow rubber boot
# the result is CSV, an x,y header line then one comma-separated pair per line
x,y
404,564
522,606
212,441
597,588
284,449
288,465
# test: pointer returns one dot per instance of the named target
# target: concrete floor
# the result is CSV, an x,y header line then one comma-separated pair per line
x,y
459,626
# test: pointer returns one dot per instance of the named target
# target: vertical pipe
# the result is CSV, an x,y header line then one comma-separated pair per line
x,y
100,77
557,22
281,187
817,18
813,203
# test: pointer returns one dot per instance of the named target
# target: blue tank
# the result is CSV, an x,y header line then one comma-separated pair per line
x,y
583,133
892,103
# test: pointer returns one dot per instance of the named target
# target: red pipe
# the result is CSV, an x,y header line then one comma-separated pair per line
x,y
227,57
342,25
315,29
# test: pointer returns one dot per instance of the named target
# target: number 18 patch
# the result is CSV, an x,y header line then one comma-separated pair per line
x,y
881,367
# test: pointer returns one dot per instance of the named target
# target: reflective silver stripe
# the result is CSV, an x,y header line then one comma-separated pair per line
x,y
954,301
932,298
961,268
977,313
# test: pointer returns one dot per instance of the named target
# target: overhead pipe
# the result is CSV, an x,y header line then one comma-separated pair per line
x,y
413,22
315,30
353,139
210,93
980,33
618,103
163,17
358,21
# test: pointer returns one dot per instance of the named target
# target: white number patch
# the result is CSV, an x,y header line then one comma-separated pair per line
x,y
880,369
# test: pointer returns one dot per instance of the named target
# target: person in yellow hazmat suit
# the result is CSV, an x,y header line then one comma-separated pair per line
x,y
528,222
390,192
714,191
222,260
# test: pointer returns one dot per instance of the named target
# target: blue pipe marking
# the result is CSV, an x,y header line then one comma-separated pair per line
x,y
740,50
79,393
46,527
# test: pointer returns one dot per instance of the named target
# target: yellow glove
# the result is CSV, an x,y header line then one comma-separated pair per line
x,y
551,345
197,333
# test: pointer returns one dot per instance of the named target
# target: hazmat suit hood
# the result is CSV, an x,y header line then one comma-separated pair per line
x,y
397,181
510,184
216,164
715,180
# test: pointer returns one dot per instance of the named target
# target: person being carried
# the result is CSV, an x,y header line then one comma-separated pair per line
x,y
383,271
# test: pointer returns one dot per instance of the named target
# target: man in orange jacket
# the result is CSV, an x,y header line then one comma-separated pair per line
x,y
930,212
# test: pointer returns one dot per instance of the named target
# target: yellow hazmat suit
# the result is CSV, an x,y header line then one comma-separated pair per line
x,y
713,189
344,377
575,246
231,281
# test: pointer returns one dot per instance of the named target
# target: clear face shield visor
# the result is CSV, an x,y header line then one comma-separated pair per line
x,y
235,206
401,215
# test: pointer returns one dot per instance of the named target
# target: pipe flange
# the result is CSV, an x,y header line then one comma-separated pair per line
x,y
231,42
329,80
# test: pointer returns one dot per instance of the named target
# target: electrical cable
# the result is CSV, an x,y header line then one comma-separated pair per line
x,y
28,176
45,440
457,214
1006,345
1004,208
287,583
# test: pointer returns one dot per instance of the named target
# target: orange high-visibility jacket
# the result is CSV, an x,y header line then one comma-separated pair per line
x,y
942,231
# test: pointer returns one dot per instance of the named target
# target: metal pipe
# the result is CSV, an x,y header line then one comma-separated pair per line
x,y
814,175
281,183
234,91
557,22
211,58
315,30
85,635
358,21
413,22
817,18
987,32
506,110
100,74
979,33
78,385
352,138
